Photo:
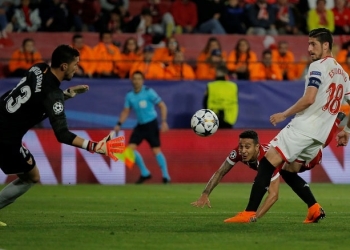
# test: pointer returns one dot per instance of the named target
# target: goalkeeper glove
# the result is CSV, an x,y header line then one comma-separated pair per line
x,y
108,146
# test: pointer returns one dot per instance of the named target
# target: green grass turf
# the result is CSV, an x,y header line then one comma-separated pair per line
x,y
161,217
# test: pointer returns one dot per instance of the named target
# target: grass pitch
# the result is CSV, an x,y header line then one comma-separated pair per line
x,y
161,217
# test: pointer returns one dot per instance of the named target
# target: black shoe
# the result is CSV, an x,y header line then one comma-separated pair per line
x,y
166,180
341,116
143,178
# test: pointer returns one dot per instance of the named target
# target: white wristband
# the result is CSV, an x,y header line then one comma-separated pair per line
x,y
85,144
347,129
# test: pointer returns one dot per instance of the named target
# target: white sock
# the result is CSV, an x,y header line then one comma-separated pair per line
x,y
12,191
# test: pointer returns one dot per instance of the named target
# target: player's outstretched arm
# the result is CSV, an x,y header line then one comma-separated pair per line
x,y
75,90
271,198
303,103
107,146
212,183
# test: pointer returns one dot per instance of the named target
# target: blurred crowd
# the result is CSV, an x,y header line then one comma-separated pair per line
x,y
156,52
106,60
159,18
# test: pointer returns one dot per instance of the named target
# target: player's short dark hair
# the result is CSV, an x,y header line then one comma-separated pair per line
x,y
250,134
137,72
63,54
76,36
322,35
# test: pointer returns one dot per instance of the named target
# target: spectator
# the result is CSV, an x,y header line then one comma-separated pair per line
x,y
233,18
150,69
54,16
23,58
341,18
301,9
178,69
166,54
108,6
240,59
301,68
85,12
162,20
285,60
26,17
185,15
342,54
130,54
4,6
87,64
320,17
209,15
206,70
346,65
261,18
212,44
285,20
142,25
222,97
115,23
265,70
107,56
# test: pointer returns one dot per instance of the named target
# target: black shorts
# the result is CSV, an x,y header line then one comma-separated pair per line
x,y
148,131
15,159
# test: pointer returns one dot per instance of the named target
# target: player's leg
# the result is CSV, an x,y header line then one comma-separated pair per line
x,y
161,160
267,166
153,138
285,147
136,138
17,159
18,187
290,175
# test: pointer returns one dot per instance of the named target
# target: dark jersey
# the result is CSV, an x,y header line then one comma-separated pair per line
x,y
36,97
235,157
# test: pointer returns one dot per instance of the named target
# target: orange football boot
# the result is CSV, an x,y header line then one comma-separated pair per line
x,y
315,214
242,217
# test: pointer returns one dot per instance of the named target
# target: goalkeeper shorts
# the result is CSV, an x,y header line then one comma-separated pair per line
x,y
15,159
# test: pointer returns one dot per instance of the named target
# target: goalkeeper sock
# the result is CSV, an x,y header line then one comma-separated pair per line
x,y
141,164
163,165
12,191
261,184
299,186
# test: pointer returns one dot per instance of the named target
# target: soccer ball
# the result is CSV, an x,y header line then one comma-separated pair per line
x,y
204,122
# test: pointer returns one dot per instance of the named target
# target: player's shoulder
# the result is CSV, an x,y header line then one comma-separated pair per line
x,y
234,156
43,67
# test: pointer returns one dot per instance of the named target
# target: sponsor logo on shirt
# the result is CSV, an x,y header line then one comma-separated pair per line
x,y
315,73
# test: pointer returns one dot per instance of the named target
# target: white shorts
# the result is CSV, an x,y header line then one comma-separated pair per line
x,y
294,146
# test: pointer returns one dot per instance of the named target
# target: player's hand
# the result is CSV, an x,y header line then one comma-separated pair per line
x,y
342,138
164,127
202,201
277,118
73,91
109,146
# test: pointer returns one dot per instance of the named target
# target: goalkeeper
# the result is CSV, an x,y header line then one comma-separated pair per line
x,y
36,97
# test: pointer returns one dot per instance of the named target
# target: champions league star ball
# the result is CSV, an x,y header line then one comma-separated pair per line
x,y
204,122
